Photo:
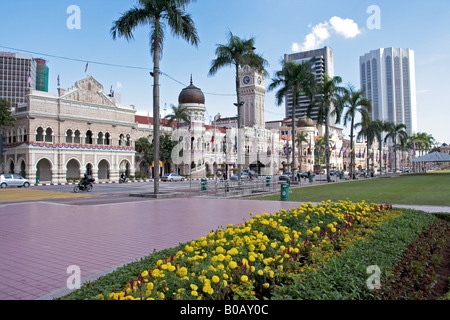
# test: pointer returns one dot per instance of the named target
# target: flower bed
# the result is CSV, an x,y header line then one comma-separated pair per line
x,y
309,252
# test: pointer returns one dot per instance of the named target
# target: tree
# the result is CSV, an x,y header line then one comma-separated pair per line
x,y
350,104
156,14
324,96
6,119
178,114
301,137
368,131
238,53
379,127
397,133
293,78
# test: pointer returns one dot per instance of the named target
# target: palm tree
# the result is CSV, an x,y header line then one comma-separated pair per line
x,y
156,13
178,114
301,137
368,131
324,96
293,78
238,53
353,101
379,127
397,133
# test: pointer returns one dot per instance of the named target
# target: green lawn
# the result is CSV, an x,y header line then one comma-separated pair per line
x,y
421,189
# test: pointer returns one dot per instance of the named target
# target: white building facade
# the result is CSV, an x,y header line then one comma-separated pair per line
x,y
388,77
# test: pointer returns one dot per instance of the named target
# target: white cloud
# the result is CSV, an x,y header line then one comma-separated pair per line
x,y
345,27
119,84
322,31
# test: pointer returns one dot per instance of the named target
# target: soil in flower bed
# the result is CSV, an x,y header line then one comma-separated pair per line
x,y
442,286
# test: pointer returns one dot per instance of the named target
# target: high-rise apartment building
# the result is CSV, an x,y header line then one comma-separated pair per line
x,y
18,74
41,75
388,77
321,62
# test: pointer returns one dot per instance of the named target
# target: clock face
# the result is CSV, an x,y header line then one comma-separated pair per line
x,y
246,80
259,80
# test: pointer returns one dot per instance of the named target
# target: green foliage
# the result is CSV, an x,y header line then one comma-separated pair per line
x,y
6,119
344,276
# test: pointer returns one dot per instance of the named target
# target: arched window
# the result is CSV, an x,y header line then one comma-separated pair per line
x,y
107,139
121,139
77,137
88,139
49,135
69,136
100,139
39,134
128,140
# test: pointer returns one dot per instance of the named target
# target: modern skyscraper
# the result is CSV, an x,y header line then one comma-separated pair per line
x,y
388,76
17,77
41,75
321,62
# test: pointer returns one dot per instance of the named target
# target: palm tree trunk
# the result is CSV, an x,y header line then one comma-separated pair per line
x,y
239,107
294,104
352,154
156,58
327,148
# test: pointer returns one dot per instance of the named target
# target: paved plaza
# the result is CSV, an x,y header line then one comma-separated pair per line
x,y
40,240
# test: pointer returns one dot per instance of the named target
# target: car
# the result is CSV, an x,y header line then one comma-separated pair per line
x,y
303,174
244,176
332,172
285,176
13,180
252,172
172,177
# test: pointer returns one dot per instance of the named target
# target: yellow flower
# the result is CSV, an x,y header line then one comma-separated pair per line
x,y
260,272
194,293
194,287
244,278
232,265
215,279
144,274
266,285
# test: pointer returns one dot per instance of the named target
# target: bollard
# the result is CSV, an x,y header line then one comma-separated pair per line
x,y
204,184
284,191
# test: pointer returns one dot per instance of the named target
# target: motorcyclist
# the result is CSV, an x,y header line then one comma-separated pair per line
x,y
123,177
85,180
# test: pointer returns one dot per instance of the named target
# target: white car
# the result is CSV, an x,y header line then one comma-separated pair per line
x,y
172,177
13,180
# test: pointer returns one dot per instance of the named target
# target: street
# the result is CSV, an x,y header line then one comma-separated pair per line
x,y
101,192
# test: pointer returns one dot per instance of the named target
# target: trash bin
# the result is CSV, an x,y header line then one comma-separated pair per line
x,y
341,175
267,181
204,183
284,191
311,177
37,180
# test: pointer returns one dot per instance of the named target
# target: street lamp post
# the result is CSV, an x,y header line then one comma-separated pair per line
x,y
239,140
216,117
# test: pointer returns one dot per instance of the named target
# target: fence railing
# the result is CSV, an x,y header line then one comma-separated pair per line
x,y
232,188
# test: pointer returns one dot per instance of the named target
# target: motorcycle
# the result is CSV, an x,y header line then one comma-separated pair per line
x,y
81,186
123,179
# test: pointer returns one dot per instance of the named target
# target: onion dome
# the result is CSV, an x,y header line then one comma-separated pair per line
x,y
305,122
191,94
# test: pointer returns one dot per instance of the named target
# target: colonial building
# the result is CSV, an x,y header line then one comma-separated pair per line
x,y
62,136
59,137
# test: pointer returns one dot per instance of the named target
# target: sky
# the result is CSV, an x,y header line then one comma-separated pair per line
x,y
69,39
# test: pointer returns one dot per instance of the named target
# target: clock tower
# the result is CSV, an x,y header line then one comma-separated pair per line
x,y
252,92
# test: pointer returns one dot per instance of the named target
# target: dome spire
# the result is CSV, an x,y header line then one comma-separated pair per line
x,y
191,78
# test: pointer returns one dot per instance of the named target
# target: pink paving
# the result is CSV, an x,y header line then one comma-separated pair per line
x,y
40,240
